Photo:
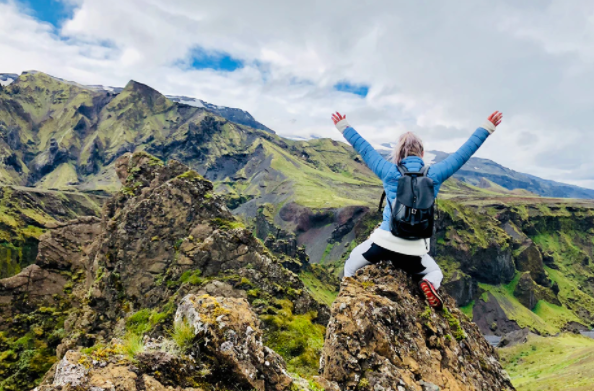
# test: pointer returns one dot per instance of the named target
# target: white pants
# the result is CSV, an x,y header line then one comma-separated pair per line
x,y
356,261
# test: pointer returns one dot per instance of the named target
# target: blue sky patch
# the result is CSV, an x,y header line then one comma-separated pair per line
x,y
357,89
218,61
50,11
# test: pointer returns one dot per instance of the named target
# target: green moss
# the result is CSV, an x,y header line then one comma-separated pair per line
x,y
473,229
555,315
296,338
100,274
143,321
515,311
192,277
327,252
226,224
426,315
93,349
191,175
457,330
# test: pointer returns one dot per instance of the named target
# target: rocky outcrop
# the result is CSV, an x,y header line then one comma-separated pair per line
x,y
34,304
235,338
383,335
224,339
529,259
163,237
111,369
528,292
42,284
514,338
25,214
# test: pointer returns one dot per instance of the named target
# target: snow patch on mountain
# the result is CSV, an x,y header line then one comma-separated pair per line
x,y
7,78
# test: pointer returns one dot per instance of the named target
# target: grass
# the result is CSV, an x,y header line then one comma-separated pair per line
x,y
133,345
468,309
321,291
554,364
570,293
514,310
144,320
227,225
316,184
554,315
183,335
296,338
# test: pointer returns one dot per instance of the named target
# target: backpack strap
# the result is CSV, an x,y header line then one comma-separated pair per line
x,y
381,205
425,170
402,169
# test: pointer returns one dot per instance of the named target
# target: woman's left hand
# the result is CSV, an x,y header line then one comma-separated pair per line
x,y
340,121
337,117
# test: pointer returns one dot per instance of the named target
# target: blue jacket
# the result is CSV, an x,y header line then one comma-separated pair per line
x,y
389,174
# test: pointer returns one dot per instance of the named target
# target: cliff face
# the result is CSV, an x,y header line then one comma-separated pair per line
x,y
383,335
518,263
25,214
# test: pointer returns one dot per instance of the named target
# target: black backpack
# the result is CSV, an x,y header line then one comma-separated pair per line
x,y
413,210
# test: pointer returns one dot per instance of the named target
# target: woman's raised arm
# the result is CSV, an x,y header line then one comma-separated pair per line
x,y
380,166
449,166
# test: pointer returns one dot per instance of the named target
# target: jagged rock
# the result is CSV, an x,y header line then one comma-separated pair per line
x,y
383,335
514,338
549,261
530,260
528,292
233,335
64,248
462,288
163,237
32,287
114,371
42,284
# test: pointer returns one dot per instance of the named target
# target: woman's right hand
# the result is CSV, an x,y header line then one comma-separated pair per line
x,y
496,118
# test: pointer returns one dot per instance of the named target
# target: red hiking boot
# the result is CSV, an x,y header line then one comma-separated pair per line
x,y
430,293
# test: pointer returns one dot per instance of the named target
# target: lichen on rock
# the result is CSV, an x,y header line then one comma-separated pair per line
x,y
383,335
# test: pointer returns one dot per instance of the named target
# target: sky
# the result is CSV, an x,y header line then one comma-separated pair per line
x,y
435,68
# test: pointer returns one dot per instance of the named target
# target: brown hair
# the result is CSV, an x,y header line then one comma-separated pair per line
x,y
409,144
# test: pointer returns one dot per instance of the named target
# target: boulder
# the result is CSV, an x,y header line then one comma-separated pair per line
x,y
113,370
382,335
514,338
528,292
232,333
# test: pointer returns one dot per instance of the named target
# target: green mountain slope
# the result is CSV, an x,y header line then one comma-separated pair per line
x,y
561,363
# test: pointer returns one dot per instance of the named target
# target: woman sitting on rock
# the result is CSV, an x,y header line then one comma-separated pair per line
x,y
407,253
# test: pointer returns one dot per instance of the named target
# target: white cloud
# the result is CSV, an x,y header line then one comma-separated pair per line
x,y
437,68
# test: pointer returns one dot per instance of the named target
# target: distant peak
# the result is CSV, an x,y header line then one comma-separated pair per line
x,y
135,86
